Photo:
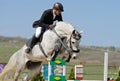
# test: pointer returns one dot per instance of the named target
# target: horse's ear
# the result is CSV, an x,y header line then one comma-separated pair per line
x,y
81,31
73,32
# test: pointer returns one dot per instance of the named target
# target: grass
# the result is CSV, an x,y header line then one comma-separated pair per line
x,y
7,49
93,72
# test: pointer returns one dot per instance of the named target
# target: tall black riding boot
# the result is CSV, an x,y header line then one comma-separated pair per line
x,y
31,44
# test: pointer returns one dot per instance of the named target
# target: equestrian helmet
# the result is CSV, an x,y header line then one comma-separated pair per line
x,y
58,6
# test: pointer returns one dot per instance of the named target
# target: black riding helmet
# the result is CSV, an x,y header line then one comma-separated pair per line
x,y
58,6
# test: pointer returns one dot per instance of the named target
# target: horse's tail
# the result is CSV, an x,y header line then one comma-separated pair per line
x,y
10,67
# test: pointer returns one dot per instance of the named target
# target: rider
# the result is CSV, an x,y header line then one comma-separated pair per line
x,y
44,23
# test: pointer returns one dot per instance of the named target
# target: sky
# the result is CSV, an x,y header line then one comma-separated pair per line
x,y
99,19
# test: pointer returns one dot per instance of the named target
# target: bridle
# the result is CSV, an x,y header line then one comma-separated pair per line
x,y
68,48
79,36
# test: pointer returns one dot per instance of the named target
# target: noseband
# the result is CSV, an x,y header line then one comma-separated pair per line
x,y
69,49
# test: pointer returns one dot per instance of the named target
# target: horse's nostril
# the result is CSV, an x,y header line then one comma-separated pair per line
x,y
74,57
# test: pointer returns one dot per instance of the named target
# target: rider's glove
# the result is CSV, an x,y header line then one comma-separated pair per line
x,y
52,26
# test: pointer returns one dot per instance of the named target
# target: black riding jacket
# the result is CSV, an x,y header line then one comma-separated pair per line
x,y
47,19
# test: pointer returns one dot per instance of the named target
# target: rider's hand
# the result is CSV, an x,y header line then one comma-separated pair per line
x,y
52,26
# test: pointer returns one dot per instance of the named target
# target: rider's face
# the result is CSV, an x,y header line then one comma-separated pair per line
x,y
57,12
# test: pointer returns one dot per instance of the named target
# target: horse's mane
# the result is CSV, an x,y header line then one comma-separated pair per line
x,y
64,27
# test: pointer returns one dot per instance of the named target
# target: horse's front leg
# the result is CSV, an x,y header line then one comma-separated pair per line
x,y
69,57
56,51
54,55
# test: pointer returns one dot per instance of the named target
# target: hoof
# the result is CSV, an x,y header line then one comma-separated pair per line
x,y
48,59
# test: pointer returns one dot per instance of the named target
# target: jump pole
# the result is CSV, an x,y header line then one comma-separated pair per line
x,y
105,66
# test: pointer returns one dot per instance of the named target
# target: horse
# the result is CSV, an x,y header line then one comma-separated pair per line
x,y
63,35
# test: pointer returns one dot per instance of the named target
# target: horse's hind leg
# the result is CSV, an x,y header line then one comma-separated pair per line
x,y
33,72
6,70
17,73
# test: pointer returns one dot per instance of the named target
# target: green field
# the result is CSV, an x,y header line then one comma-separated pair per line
x,y
7,49
91,56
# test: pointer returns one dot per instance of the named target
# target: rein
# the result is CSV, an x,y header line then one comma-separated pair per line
x,y
66,47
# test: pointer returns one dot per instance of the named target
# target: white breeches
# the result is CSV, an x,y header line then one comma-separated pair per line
x,y
38,32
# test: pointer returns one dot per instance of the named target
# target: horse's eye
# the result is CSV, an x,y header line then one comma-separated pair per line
x,y
73,42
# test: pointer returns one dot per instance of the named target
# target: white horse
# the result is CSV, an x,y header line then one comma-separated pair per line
x,y
20,60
